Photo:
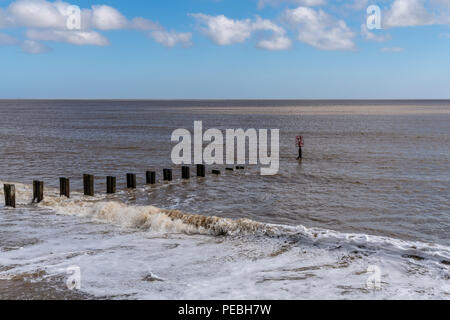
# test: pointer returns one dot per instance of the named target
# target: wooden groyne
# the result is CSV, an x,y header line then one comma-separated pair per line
x,y
89,181
10,195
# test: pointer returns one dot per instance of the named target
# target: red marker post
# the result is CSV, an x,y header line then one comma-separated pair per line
x,y
300,145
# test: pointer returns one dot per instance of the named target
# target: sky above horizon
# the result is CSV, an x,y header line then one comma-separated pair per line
x,y
225,49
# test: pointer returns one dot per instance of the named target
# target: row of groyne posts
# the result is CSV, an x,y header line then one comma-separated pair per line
x,y
88,183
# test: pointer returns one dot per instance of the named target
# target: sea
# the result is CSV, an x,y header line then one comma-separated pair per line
x,y
364,215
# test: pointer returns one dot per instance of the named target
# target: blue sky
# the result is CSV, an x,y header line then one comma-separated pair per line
x,y
223,49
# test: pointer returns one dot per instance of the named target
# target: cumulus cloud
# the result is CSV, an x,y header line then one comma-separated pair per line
x,y
2,18
37,14
171,38
103,17
394,49
160,34
34,47
372,36
48,21
307,3
44,14
73,37
142,24
408,13
320,30
225,31
359,4
6,40
277,43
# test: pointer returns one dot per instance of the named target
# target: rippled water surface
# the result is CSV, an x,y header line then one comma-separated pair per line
x,y
378,169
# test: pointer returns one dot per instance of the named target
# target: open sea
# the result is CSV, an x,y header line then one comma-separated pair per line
x,y
372,192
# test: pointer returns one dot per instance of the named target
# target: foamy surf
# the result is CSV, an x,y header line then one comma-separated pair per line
x,y
181,250
173,221
101,209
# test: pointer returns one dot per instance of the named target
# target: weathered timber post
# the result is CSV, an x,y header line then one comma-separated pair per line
x,y
167,175
150,177
201,170
64,187
131,181
185,173
88,184
38,191
110,185
10,195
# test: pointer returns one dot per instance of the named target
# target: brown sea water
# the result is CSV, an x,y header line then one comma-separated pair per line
x,y
372,168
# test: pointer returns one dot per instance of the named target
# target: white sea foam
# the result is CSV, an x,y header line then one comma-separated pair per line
x,y
171,254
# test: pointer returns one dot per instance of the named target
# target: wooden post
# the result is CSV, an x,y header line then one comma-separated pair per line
x,y
185,172
201,171
88,183
131,181
38,191
150,177
10,195
167,174
64,187
110,185
217,172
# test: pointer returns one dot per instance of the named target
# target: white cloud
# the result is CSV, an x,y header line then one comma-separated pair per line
x,y
320,30
6,40
144,24
372,36
407,13
225,31
171,39
44,14
5,19
47,21
34,47
37,14
307,3
277,43
359,4
2,18
73,37
103,17
160,34
394,49
444,3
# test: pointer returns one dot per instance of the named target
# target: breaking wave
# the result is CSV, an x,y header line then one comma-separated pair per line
x,y
110,210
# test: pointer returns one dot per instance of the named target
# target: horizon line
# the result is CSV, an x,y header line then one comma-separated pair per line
x,y
220,99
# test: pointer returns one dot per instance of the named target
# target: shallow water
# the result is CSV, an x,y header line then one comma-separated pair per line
x,y
372,190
